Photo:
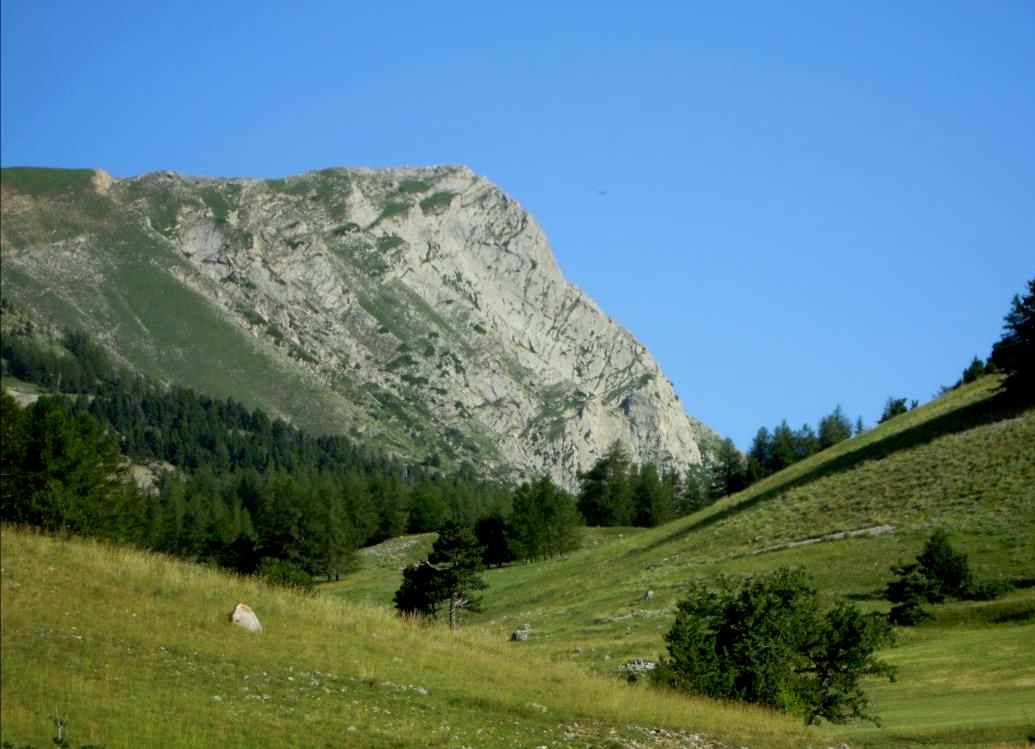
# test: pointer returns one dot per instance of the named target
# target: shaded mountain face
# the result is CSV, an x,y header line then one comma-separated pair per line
x,y
419,310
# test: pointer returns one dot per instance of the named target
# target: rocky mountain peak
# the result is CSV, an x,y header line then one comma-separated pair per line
x,y
422,309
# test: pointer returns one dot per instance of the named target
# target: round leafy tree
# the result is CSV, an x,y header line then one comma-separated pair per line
x,y
767,641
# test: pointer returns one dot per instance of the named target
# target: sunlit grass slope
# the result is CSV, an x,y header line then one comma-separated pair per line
x,y
965,680
134,650
964,463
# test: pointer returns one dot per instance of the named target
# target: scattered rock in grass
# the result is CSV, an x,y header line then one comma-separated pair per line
x,y
638,665
243,616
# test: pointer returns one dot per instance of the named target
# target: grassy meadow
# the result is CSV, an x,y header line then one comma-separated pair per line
x,y
962,463
135,650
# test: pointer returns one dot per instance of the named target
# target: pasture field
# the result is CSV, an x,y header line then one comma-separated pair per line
x,y
135,650
963,463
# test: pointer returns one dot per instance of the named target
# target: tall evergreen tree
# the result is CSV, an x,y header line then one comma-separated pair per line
x,y
427,508
605,491
833,428
361,506
652,500
728,476
784,447
492,533
760,455
1014,353
543,520
13,438
562,518
457,559
805,443
420,593
696,489
389,496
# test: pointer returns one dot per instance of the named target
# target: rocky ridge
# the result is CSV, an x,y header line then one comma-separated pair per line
x,y
423,307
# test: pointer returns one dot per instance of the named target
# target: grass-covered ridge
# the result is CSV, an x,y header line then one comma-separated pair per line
x,y
135,650
964,463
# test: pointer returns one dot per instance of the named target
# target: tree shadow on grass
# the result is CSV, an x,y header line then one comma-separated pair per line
x,y
997,408
870,595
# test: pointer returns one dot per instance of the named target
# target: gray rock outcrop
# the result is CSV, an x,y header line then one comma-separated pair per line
x,y
422,308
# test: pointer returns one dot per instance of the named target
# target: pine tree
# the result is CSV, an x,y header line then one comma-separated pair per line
x,y
696,486
893,407
457,559
1014,353
60,469
833,428
526,528
427,508
947,569
760,455
784,447
605,492
805,443
975,369
491,532
728,476
543,520
420,594
561,516
652,500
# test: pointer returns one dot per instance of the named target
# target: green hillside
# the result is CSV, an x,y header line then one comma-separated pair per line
x,y
135,650
964,463
133,300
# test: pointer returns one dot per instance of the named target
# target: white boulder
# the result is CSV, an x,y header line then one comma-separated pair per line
x,y
243,616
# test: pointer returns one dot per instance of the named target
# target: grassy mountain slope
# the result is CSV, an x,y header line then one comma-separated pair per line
x,y
135,650
108,275
963,463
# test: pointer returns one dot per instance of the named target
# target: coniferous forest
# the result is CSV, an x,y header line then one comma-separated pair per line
x,y
107,452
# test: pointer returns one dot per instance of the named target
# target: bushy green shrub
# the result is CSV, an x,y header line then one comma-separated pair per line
x,y
947,570
908,592
285,573
939,572
767,641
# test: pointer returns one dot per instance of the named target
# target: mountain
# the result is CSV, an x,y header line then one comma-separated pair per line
x,y
418,310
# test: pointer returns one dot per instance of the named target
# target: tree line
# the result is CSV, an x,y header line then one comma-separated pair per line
x,y
62,470
617,492
772,451
235,486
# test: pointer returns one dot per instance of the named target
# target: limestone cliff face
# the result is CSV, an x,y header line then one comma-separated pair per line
x,y
425,304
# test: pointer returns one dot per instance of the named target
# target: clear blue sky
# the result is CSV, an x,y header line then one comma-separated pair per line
x,y
807,203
